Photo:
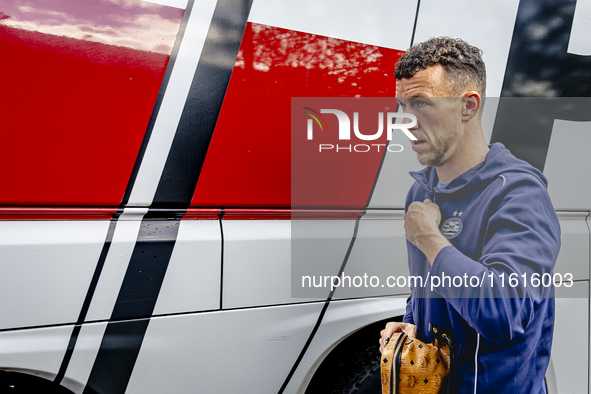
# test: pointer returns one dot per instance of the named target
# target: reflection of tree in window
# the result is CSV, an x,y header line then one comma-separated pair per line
x,y
542,80
539,64
318,61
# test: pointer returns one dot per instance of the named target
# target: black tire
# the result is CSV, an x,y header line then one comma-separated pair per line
x,y
371,383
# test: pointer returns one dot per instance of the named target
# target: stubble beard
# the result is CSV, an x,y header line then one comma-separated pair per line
x,y
440,149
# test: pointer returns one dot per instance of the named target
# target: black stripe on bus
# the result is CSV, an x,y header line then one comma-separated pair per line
x,y
163,86
86,304
143,279
208,88
117,356
323,311
523,124
414,26
137,298
106,246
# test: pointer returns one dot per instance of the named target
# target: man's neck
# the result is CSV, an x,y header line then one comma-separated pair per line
x,y
465,157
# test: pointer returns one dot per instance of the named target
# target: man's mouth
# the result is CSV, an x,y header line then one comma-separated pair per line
x,y
418,142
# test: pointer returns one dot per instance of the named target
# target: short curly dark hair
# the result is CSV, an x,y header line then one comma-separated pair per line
x,y
462,62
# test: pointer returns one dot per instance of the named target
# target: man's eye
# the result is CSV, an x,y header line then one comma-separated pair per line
x,y
421,103
402,105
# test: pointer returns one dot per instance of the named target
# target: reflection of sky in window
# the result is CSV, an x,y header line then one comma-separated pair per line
x,y
132,24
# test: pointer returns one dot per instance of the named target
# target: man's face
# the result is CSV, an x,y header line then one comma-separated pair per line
x,y
427,96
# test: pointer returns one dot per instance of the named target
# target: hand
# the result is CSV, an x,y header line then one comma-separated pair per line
x,y
392,327
421,224
421,219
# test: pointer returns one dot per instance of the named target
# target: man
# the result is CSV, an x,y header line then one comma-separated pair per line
x,y
478,214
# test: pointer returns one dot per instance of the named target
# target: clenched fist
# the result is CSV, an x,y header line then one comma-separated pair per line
x,y
421,224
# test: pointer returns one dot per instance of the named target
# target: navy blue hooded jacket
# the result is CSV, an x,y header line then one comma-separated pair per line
x,y
500,221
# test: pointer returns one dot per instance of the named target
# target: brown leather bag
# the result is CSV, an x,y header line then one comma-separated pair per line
x,y
412,366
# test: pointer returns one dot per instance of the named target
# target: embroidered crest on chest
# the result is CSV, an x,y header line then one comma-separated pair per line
x,y
452,227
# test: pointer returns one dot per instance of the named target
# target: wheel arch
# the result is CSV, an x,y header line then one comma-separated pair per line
x,y
24,381
355,357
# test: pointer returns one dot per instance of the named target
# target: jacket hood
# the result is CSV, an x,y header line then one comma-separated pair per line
x,y
499,160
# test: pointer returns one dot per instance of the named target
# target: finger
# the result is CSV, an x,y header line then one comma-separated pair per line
x,y
414,206
410,330
427,201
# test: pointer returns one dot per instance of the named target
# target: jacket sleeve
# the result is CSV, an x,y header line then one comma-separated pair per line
x,y
408,316
521,241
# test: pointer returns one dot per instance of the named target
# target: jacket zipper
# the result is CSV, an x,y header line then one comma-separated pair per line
x,y
396,359
419,317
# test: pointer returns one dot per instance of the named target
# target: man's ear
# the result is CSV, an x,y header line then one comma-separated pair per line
x,y
471,104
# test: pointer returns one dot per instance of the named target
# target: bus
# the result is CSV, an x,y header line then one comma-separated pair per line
x,y
163,169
